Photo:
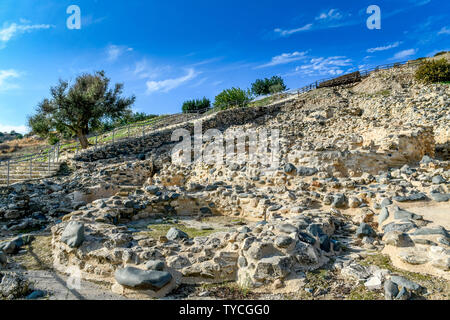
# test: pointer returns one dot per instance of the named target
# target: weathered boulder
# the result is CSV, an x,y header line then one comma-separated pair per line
x,y
141,279
157,265
13,285
176,234
3,258
390,290
397,239
73,234
365,230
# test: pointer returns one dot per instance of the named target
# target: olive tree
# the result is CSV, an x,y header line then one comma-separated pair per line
x,y
80,108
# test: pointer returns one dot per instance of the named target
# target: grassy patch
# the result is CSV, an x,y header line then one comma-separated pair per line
x,y
361,293
38,255
438,288
318,280
384,93
229,291
157,230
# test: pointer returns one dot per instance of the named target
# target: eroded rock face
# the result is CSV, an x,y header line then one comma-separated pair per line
x,y
350,168
13,285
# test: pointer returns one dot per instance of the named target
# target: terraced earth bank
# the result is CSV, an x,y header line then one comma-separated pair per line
x,y
358,207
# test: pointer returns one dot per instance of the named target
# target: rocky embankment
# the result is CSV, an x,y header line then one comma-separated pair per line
x,y
358,207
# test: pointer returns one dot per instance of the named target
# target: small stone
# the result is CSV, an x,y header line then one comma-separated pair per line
x,y
384,215
325,243
403,294
412,197
374,283
426,160
287,228
365,230
438,179
157,265
390,290
176,234
339,201
283,241
397,239
354,202
290,168
385,202
403,282
36,295
440,197
305,171
431,231
403,214
278,284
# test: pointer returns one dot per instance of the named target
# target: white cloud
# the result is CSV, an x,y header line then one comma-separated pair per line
x,y
384,48
444,30
114,52
331,66
14,29
285,33
145,70
7,128
284,58
404,54
170,84
7,74
333,14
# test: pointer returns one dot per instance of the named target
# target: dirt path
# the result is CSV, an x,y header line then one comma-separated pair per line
x,y
56,287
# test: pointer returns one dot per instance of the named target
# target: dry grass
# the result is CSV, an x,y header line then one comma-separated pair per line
x,y
38,255
21,146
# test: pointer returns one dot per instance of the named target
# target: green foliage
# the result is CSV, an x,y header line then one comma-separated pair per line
x,y
53,139
80,108
434,71
268,86
234,97
196,105
441,53
128,118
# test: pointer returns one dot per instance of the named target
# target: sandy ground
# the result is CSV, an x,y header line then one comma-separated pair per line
x,y
437,214
56,285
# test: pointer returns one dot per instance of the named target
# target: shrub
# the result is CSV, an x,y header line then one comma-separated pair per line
x,y
441,53
434,71
197,105
232,97
80,107
268,86
53,139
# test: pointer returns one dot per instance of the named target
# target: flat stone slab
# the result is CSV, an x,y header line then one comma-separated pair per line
x,y
142,279
413,197
440,197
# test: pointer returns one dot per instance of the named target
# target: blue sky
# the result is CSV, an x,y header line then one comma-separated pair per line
x,y
166,52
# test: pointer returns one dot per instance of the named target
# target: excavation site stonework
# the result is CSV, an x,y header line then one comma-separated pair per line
x,y
357,206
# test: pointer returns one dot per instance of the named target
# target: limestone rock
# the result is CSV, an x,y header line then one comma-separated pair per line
x,y
73,234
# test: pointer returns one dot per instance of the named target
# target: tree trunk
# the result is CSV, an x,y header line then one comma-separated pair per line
x,y
83,140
